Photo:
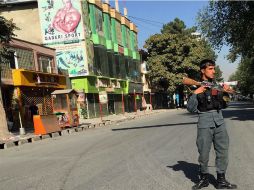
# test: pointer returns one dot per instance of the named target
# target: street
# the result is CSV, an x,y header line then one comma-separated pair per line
x,y
156,152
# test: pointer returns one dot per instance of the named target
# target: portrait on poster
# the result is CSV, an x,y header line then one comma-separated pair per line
x,y
60,21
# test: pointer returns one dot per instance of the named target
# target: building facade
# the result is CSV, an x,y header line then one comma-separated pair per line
x,y
95,43
29,77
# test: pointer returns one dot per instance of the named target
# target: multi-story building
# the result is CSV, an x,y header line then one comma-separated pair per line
x,y
29,76
94,42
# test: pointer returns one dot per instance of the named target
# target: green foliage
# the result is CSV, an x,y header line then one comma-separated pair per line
x,y
7,28
175,53
218,74
84,113
230,23
177,27
244,75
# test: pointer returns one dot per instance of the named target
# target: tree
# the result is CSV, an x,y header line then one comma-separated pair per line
x,y
177,27
230,23
244,76
218,74
6,33
175,53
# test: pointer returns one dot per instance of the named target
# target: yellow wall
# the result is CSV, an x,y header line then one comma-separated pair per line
x,y
26,18
23,77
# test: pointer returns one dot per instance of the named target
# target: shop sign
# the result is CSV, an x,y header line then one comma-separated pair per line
x,y
103,97
135,87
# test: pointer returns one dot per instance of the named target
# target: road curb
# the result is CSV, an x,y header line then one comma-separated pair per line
x,y
68,131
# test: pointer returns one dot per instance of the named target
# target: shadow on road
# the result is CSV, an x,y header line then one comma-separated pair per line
x,y
240,111
151,126
191,171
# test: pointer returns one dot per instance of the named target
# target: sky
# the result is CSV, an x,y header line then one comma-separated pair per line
x,y
149,16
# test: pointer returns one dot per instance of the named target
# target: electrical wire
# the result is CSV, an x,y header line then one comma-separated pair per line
x,y
146,20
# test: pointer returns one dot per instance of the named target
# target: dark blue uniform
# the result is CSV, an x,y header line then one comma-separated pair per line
x,y
211,130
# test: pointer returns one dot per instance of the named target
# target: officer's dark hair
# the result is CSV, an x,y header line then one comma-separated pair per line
x,y
206,62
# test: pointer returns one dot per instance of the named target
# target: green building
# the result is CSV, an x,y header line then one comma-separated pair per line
x,y
98,46
116,62
94,42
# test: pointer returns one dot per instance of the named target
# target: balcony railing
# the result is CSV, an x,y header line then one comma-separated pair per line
x,y
53,70
6,72
6,75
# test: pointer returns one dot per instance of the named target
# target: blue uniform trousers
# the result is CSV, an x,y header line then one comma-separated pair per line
x,y
217,136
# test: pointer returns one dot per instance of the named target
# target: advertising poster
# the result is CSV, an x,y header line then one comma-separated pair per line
x,y
61,21
73,59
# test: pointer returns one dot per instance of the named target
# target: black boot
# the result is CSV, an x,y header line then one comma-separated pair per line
x,y
203,182
222,183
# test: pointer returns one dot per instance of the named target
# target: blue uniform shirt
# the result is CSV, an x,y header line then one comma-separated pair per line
x,y
206,119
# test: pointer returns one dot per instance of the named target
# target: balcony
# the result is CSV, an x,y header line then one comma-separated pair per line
x,y
6,75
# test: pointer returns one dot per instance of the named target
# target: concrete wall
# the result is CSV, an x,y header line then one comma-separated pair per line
x,y
26,17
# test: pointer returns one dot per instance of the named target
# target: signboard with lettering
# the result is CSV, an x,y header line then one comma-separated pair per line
x,y
138,88
61,21
103,96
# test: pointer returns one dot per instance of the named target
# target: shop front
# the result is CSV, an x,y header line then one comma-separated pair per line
x,y
134,98
93,88
33,89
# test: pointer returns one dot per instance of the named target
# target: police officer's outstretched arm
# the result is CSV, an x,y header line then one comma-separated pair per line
x,y
193,102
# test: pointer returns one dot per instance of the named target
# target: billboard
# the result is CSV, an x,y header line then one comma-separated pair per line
x,y
61,21
72,58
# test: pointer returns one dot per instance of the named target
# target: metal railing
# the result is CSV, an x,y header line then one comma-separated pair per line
x,y
6,72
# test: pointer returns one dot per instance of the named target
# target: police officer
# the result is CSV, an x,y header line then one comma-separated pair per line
x,y
208,102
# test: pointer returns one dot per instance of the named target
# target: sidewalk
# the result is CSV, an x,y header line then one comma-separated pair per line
x,y
29,137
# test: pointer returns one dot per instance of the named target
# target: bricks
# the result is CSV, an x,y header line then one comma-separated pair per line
x,y
22,141
45,136
78,129
71,131
9,144
56,134
36,138
64,132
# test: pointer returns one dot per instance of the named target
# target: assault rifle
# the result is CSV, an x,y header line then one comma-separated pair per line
x,y
191,82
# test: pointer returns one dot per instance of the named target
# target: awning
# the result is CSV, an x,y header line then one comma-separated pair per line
x,y
65,91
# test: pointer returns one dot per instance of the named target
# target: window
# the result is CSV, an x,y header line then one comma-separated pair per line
x,y
45,64
117,62
128,38
104,62
118,33
126,62
99,21
100,61
25,58
111,64
122,67
97,66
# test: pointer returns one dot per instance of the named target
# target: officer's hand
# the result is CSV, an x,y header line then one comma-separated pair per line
x,y
227,88
199,90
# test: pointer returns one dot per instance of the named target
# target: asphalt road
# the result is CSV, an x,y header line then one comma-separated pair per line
x,y
157,152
